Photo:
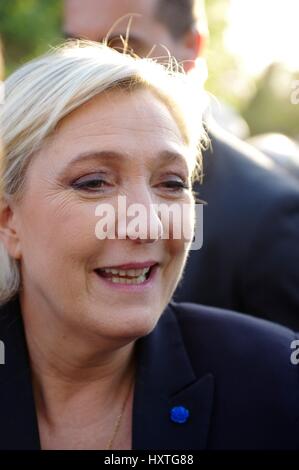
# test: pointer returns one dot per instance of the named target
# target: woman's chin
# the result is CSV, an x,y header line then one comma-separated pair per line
x,y
128,323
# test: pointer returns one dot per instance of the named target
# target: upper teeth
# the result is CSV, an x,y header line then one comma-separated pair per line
x,y
127,272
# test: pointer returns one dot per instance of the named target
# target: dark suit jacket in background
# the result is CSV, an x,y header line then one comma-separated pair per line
x,y
249,261
232,372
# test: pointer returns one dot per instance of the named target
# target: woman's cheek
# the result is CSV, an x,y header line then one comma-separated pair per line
x,y
182,223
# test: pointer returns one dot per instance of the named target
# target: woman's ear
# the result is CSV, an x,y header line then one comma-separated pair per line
x,y
8,230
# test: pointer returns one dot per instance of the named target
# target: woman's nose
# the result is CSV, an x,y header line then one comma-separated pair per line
x,y
142,222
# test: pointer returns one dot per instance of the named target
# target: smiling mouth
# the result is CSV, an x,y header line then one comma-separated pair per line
x,y
127,276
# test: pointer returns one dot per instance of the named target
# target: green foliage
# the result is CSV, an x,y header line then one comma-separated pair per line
x,y
271,109
27,28
265,103
220,63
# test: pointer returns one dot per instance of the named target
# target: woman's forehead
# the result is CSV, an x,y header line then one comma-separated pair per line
x,y
121,109
120,122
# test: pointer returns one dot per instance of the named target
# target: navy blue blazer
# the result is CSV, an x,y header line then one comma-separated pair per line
x,y
230,371
249,261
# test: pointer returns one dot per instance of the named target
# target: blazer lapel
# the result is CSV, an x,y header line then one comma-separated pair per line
x,y
165,379
17,410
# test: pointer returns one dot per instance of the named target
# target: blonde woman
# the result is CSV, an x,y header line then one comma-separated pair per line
x,y
96,355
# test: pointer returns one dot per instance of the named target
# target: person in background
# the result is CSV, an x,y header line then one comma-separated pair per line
x,y
249,261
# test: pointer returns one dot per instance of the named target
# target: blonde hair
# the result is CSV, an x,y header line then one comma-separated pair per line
x,y
41,93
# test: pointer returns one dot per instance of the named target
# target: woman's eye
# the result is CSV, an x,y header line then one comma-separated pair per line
x,y
91,183
175,185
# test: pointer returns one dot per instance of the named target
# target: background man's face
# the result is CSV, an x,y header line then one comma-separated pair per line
x,y
93,19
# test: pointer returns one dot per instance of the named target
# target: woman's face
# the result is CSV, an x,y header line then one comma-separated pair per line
x,y
118,144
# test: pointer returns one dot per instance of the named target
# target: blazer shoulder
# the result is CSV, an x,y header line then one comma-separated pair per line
x,y
224,337
238,161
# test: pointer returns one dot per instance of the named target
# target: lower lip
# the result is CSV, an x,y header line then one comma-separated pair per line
x,y
146,285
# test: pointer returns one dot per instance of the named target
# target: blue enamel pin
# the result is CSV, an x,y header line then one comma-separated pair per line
x,y
179,414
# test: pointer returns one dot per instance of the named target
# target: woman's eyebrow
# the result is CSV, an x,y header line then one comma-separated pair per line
x,y
91,157
113,157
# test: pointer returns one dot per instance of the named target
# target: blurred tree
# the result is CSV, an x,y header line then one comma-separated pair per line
x,y
264,102
271,108
28,27
223,67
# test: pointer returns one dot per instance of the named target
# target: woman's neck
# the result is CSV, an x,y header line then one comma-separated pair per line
x,y
82,411
70,369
